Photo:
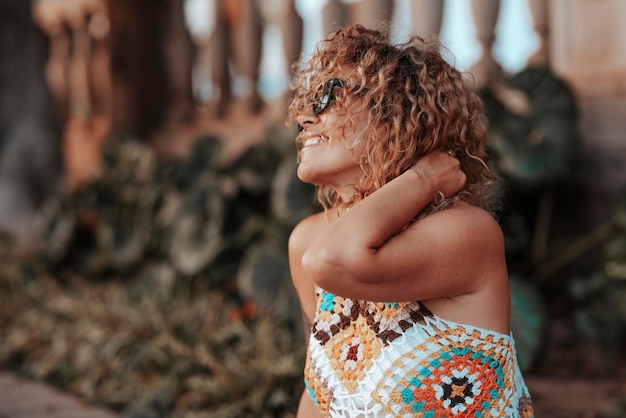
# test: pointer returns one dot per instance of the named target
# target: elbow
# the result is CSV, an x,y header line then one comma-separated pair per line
x,y
320,267
330,267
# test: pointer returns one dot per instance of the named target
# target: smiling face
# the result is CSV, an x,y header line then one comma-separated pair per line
x,y
331,148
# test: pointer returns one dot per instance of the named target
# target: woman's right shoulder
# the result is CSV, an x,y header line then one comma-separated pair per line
x,y
305,231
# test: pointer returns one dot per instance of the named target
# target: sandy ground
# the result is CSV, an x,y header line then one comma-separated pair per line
x,y
22,398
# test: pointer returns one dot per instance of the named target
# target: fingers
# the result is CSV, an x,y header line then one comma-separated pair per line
x,y
444,170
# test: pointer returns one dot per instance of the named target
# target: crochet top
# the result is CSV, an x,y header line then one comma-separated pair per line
x,y
368,359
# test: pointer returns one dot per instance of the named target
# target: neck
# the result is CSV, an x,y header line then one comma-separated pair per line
x,y
345,194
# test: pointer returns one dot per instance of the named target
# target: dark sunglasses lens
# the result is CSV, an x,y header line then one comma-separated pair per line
x,y
323,101
320,104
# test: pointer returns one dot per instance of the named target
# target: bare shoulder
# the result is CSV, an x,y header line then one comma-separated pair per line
x,y
306,230
463,222
477,232
299,240
470,247
477,217
465,242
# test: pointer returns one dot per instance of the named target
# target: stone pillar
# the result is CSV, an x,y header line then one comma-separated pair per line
x,y
539,11
45,15
334,16
588,45
100,65
292,30
237,41
426,17
485,14
246,48
80,77
373,14
282,14
80,100
487,72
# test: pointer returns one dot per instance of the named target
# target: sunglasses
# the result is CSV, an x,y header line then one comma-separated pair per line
x,y
325,97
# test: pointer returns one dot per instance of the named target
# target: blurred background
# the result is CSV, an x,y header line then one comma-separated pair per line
x,y
148,187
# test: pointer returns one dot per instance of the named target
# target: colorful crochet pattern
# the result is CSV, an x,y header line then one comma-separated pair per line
x,y
369,359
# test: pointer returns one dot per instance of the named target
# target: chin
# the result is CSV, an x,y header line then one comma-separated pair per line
x,y
303,174
308,175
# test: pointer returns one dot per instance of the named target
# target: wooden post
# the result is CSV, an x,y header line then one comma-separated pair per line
x,y
177,54
138,65
219,42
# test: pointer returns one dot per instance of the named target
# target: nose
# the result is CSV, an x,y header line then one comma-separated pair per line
x,y
307,119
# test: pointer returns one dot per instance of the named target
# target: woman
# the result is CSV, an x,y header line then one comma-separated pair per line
x,y
402,278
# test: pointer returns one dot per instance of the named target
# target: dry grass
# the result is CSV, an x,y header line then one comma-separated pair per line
x,y
196,352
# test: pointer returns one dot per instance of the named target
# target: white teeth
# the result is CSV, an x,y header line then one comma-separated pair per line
x,y
312,141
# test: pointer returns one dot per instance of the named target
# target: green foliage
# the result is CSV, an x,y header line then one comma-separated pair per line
x,y
529,322
540,145
600,298
536,153
163,288
194,213
532,151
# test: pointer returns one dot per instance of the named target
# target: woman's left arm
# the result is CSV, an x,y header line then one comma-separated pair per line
x,y
368,254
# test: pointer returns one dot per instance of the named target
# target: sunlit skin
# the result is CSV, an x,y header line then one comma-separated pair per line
x,y
376,247
436,260
335,246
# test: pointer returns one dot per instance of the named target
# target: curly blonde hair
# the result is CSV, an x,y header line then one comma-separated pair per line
x,y
418,102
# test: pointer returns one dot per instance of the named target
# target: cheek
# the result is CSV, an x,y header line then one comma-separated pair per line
x,y
358,132
358,145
